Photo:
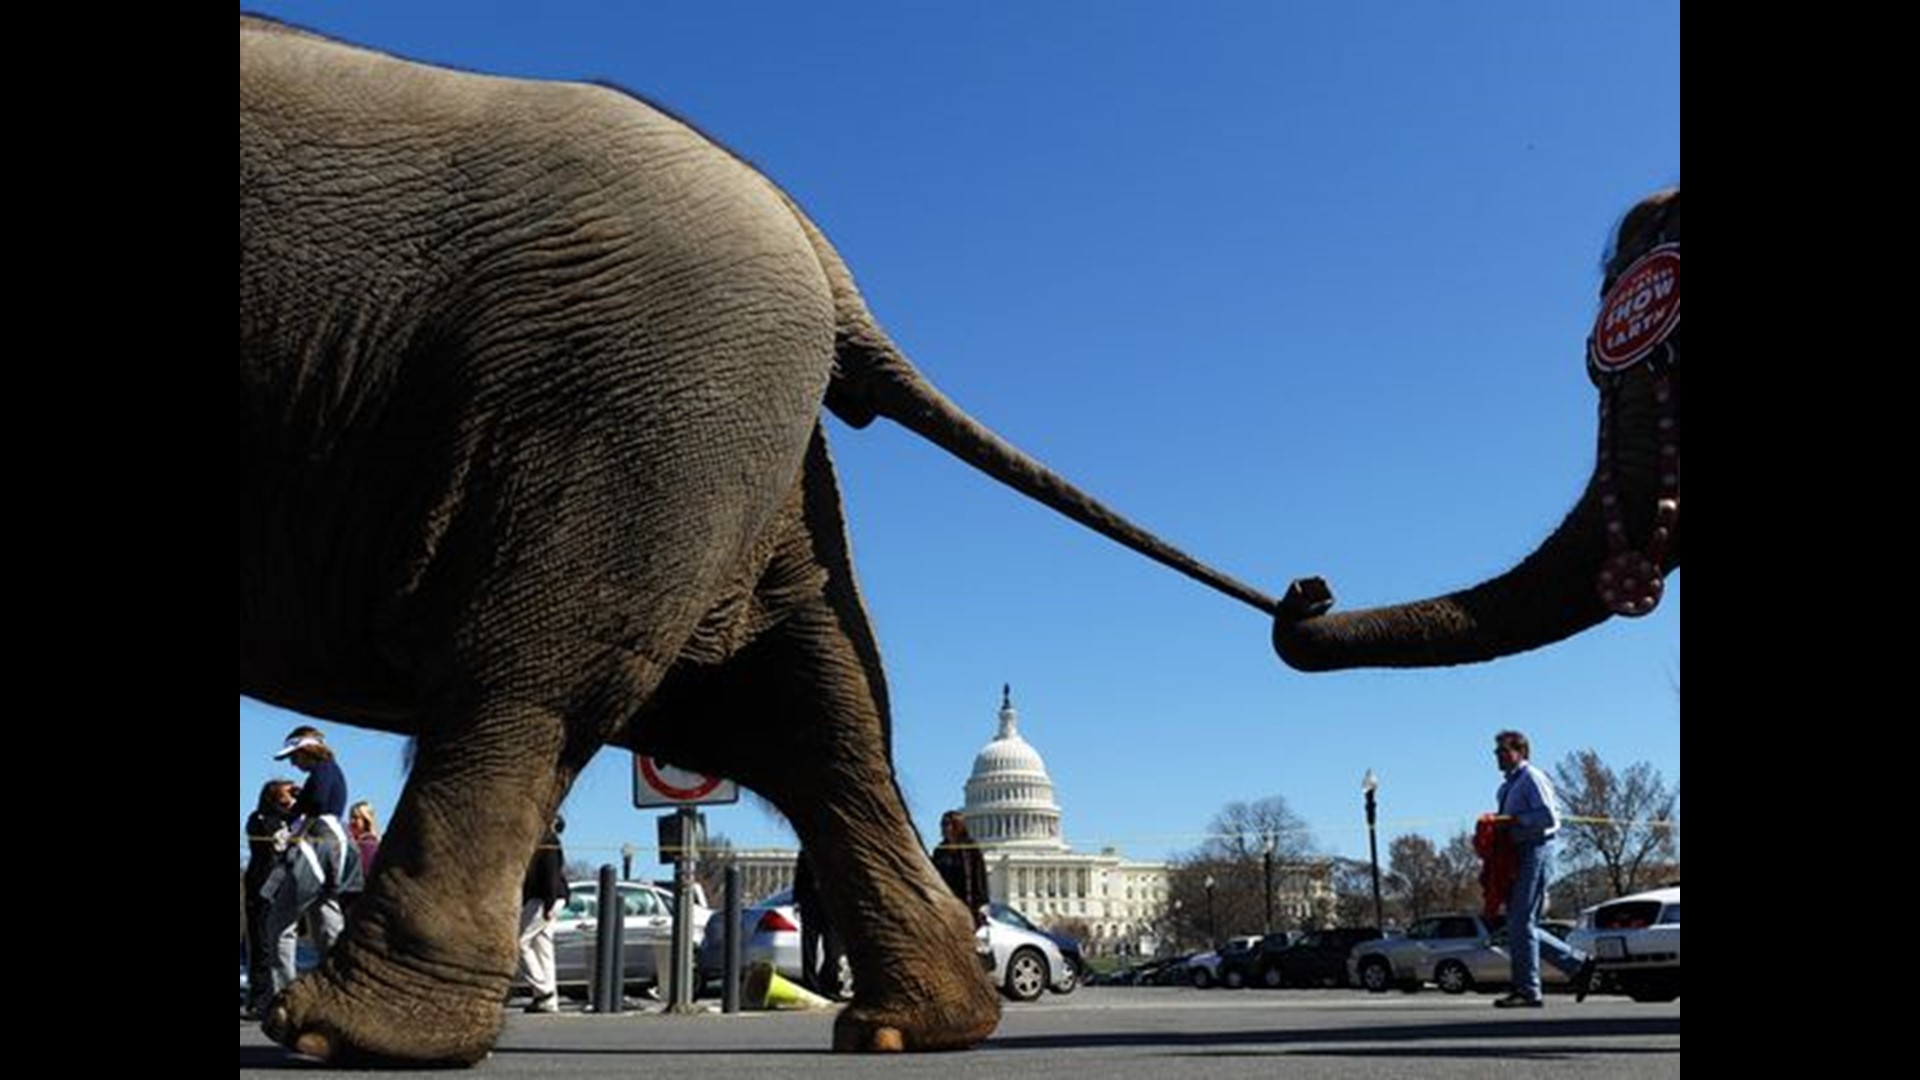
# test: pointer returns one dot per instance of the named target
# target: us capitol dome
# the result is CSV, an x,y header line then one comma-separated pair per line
x,y
1009,795
1113,902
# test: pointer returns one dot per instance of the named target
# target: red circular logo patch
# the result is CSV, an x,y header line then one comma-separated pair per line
x,y
1640,311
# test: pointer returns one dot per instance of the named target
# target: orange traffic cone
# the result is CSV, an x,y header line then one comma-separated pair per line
x,y
766,989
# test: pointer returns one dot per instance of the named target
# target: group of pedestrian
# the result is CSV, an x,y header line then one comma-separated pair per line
x,y
307,857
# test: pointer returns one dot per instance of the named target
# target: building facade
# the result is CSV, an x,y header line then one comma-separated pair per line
x,y
1011,811
1116,905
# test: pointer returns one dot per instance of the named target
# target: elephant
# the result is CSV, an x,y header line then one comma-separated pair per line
x,y
532,463
1611,554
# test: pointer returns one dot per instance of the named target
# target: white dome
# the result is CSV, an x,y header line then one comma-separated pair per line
x,y
1009,794
1009,755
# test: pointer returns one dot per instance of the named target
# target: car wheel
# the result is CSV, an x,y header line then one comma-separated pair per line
x,y
1202,978
1069,980
1273,978
1026,975
1375,975
1453,977
1233,978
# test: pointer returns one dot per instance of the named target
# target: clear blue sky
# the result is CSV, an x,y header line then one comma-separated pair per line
x,y
1301,286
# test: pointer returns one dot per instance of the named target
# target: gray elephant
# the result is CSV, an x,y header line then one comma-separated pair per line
x,y
1614,550
531,379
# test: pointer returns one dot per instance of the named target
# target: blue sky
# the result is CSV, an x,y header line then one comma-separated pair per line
x,y
1301,286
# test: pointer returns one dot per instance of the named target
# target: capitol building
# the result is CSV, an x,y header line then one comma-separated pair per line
x,y
1115,905
1011,812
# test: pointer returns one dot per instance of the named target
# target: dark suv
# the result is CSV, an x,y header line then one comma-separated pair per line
x,y
1244,968
1318,959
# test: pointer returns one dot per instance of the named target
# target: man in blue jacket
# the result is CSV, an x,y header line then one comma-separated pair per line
x,y
1530,815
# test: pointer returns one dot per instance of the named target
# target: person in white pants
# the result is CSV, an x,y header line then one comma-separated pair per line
x,y
542,895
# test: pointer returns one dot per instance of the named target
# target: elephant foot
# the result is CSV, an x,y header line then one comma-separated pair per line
x,y
869,1029
364,1021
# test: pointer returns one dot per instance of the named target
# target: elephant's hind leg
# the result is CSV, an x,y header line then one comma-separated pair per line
x,y
799,722
801,717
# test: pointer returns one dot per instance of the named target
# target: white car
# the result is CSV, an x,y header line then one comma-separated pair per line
x,y
646,934
1636,941
1026,962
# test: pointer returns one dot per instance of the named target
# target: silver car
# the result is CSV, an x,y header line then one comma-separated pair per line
x,y
1025,964
1391,962
1483,964
770,933
647,932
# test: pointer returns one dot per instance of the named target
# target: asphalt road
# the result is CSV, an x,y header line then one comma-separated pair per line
x,y
1118,1033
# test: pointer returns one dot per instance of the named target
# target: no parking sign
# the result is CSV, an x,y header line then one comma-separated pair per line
x,y
656,783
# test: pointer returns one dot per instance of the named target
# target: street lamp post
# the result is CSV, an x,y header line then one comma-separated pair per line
x,y
1372,784
1268,848
1213,928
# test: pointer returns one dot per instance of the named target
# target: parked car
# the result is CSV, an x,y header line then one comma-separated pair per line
x,y
1318,958
1245,967
702,914
1203,969
1484,965
1636,941
1159,971
1069,946
647,932
1392,962
1026,962
770,933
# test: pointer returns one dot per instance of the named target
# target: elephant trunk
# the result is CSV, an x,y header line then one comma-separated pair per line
x,y
1552,594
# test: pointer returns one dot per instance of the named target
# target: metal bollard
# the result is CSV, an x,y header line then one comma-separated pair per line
x,y
609,981
730,966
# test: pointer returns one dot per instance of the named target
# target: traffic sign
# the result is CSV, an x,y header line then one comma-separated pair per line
x,y
656,783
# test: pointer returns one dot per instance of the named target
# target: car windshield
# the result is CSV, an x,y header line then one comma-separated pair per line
x,y
1003,914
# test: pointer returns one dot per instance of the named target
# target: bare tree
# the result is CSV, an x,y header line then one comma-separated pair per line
x,y
1234,857
1622,822
1353,892
1461,865
1419,876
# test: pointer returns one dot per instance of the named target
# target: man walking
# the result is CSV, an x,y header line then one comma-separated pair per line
x,y
1529,814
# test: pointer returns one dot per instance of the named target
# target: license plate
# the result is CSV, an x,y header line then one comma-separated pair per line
x,y
1611,948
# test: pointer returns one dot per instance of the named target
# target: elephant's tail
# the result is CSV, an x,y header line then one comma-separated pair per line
x,y
872,378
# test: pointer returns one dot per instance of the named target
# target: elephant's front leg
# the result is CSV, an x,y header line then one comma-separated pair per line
x,y
429,951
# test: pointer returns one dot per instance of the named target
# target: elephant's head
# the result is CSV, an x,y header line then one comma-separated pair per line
x,y
1612,553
